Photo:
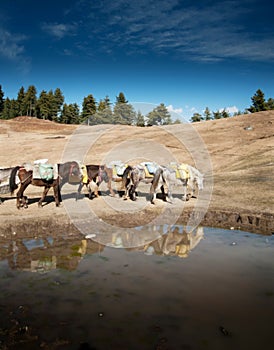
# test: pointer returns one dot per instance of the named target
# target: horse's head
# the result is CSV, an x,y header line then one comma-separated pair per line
x,y
75,170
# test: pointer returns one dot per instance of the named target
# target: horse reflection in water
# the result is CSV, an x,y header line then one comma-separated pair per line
x,y
173,242
46,254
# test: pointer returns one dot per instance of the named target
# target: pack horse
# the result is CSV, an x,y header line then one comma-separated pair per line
x,y
43,175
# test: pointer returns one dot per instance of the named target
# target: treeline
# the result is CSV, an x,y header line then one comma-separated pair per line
x,y
50,105
259,103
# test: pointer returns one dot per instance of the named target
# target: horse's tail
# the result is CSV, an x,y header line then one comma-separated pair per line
x,y
12,180
156,178
126,174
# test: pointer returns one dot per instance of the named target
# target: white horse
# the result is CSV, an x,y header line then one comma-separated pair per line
x,y
175,174
166,178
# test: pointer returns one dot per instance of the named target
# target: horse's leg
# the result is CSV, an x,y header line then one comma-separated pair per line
x,y
192,184
186,186
95,190
132,190
127,186
56,194
169,192
43,196
153,191
20,199
112,193
79,191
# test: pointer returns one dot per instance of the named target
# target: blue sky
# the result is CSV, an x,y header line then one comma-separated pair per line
x,y
186,54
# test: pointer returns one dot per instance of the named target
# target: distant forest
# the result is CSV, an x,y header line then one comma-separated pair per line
x,y
51,106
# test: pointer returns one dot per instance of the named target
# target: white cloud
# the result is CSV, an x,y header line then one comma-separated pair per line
x,y
203,33
59,30
11,44
170,108
230,110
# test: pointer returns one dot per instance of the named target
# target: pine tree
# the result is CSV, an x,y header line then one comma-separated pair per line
x,y
159,116
217,115
20,102
270,104
107,102
258,102
70,114
121,98
103,115
207,114
58,100
88,107
140,119
44,105
30,101
10,109
224,113
196,117
123,112
1,100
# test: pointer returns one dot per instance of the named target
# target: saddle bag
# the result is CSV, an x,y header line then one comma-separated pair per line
x,y
46,171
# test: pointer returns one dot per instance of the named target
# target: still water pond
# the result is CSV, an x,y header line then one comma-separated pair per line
x,y
214,290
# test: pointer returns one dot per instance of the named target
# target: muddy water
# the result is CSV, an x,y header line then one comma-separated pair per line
x,y
212,290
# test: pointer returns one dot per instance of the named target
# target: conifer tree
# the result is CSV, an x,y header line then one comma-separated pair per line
x,y
258,102
10,109
88,107
58,100
20,102
44,105
70,114
207,114
196,118
270,103
1,100
123,112
159,116
103,115
217,115
140,119
224,113
30,100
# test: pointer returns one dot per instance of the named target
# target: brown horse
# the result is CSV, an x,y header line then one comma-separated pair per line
x,y
65,171
133,175
93,176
